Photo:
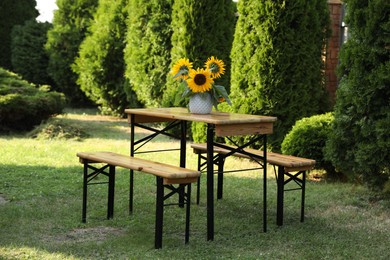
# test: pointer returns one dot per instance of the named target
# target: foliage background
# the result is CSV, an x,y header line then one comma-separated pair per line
x,y
70,25
277,61
13,13
100,65
360,142
201,28
147,51
29,58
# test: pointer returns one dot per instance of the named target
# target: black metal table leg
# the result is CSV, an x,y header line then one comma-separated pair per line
x,y
183,144
131,181
265,184
303,195
221,162
210,182
85,193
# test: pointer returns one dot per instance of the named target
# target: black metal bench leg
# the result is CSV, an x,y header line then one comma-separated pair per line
x,y
159,213
85,191
303,196
188,211
131,192
280,196
198,183
111,192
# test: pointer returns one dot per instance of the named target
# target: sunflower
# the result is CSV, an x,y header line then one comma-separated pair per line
x,y
181,68
200,80
215,66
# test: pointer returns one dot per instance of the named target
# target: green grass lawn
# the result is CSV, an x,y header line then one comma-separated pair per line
x,y
40,208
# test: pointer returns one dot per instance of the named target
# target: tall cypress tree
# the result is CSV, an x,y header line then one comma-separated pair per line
x,y
277,61
13,13
201,28
148,46
29,58
70,24
100,65
359,144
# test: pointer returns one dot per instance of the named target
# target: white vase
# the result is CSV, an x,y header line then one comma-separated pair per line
x,y
200,103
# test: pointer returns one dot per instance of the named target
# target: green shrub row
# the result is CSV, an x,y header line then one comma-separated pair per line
x,y
22,105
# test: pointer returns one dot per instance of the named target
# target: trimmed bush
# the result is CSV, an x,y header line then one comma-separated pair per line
x,y
308,138
22,105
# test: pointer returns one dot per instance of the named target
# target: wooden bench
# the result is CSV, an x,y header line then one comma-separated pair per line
x,y
167,176
289,169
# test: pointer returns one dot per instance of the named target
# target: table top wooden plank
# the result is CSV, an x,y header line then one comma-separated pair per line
x,y
215,117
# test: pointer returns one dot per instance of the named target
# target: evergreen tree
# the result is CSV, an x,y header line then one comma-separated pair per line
x,y
277,61
201,28
70,24
100,65
29,58
359,145
13,13
148,47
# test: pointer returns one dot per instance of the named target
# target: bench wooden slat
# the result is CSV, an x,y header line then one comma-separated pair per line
x,y
291,163
138,164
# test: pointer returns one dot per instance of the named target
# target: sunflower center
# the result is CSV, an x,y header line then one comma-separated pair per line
x,y
200,79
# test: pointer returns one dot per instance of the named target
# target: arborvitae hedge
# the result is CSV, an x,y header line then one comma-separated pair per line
x,y
100,64
360,142
277,61
147,51
70,24
29,58
201,28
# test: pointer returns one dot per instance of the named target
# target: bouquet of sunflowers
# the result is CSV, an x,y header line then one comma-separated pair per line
x,y
201,80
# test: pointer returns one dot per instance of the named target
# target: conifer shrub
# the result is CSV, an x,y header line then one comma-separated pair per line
x,y
277,61
23,105
308,138
148,49
70,26
29,58
359,143
100,65
200,29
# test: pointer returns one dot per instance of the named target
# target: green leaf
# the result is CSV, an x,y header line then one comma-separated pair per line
x,y
221,91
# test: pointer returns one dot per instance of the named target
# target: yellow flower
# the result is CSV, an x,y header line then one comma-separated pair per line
x,y
215,66
200,80
181,68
